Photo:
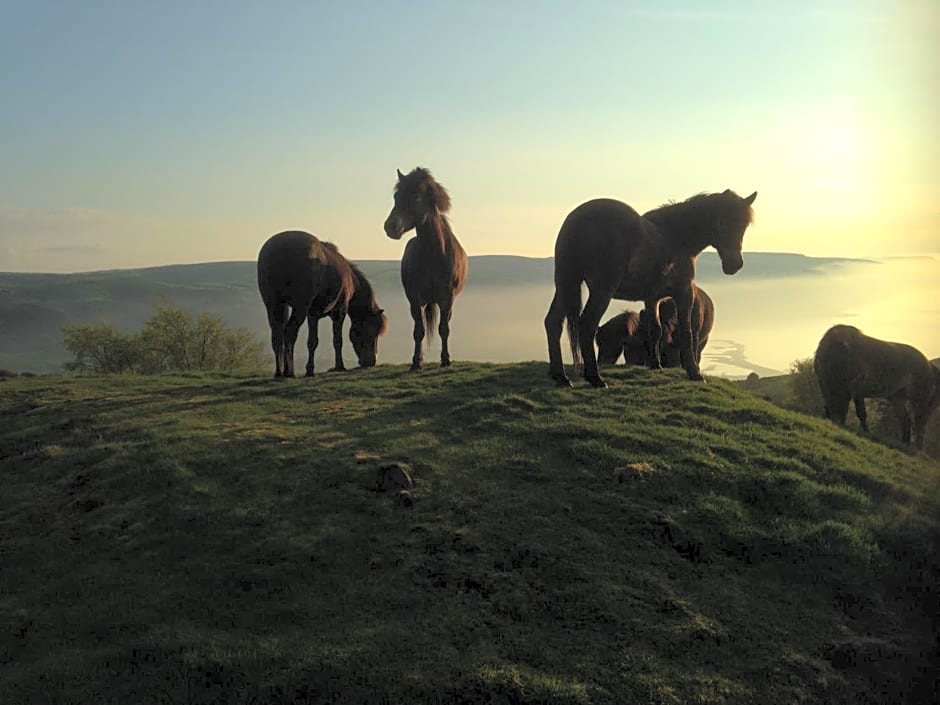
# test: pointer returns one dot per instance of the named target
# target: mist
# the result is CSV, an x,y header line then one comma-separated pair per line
x,y
762,324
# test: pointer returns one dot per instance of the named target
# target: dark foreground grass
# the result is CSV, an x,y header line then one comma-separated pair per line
x,y
219,540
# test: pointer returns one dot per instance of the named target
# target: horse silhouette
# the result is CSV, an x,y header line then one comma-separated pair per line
x,y
626,333
850,365
620,254
302,278
434,265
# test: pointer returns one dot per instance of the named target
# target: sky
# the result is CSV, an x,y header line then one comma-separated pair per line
x,y
137,133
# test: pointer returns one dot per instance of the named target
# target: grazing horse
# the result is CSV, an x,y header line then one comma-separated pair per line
x,y
366,320
850,365
621,334
627,333
434,265
620,254
293,269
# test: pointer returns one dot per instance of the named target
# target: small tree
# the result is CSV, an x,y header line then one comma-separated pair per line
x,y
172,340
101,349
805,386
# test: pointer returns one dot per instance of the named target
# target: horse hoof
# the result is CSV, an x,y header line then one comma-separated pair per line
x,y
414,367
337,369
445,363
561,380
697,377
597,382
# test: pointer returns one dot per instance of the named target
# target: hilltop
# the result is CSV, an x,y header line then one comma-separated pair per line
x,y
221,539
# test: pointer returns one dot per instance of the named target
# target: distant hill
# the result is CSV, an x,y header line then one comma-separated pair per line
x,y
34,307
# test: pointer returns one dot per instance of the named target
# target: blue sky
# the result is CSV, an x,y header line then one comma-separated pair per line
x,y
141,133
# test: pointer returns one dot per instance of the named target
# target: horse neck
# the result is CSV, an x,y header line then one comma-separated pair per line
x,y
363,298
435,234
684,231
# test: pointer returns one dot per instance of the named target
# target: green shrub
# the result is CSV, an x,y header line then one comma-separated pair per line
x,y
805,387
172,340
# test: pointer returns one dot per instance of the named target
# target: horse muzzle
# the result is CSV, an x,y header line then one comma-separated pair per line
x,y
731,266
394,228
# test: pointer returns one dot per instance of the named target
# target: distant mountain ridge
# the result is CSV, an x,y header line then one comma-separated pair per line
x,y
35,306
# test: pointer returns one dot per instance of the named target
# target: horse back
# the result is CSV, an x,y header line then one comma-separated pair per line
x,y
598,242
289,269
857,364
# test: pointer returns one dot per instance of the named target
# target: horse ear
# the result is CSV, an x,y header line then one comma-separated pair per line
x,y
750,199
400,175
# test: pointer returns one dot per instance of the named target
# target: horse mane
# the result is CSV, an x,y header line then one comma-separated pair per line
x,y
420,182
690,208
331,257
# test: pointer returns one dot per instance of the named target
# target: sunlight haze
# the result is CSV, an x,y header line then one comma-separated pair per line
x,y
138,134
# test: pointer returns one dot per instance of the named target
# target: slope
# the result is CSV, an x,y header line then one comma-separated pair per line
x,y
221,539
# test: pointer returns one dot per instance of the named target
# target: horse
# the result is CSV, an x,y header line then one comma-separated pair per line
x,y
621,334
627,333
701,320
850,365
292,272
620,254
367,322
434,265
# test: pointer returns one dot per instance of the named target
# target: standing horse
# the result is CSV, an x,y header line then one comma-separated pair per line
x,y
850,365
620,254
366,320
434,265
293,269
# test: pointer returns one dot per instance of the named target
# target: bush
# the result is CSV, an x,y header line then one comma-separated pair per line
x,y
805,387
103,349
172,340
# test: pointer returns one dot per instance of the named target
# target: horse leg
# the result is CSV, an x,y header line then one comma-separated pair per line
x,y
554,323
313,339
594,309
899,403
654,333
684,313
445,308
860,411
277,315
417,313
290,337
921,414
338,319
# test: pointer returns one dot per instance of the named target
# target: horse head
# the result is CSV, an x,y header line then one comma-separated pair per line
x,y
730,225
418,197
364,333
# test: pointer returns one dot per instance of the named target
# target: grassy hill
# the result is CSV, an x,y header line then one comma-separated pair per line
x,y
221,539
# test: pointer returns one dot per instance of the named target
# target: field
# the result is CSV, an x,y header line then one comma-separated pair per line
x,y
214,539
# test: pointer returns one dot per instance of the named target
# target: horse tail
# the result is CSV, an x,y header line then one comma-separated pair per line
x,y
430,323
569,296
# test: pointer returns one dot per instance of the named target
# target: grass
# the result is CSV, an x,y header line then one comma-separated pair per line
x,y
212,539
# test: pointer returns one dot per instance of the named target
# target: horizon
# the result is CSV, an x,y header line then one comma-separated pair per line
x,y
133,137
769,314
396,260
